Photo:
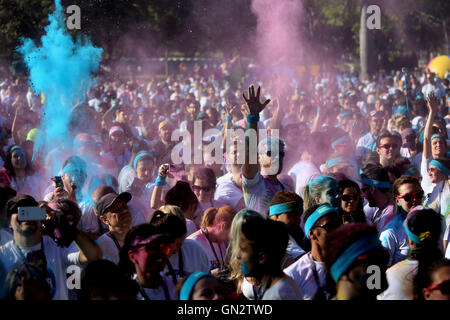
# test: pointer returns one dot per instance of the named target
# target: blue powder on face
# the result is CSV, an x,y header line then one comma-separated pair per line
x,y
61,69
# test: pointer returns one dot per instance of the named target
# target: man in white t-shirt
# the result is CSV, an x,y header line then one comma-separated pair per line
x,y
309,271
229,186
366,143
29,245
259,178
113,211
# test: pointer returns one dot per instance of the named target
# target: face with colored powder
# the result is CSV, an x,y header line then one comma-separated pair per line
x,y
144,169
246,255
18,159
74,179
330,194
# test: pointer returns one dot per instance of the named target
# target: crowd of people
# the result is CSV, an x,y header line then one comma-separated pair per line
x,y
346,195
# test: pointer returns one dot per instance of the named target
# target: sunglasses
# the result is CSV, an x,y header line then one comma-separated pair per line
x,y
198,188
444,287
388,146
331,225
418,195
348,197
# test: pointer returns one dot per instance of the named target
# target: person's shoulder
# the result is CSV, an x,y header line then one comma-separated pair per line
x,y
191,245
226,178
298,265
195,236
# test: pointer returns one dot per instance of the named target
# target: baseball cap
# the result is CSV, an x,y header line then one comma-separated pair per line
x,y
108,199
22,200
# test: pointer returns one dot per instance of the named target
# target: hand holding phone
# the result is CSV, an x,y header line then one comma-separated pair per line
x,y
31,214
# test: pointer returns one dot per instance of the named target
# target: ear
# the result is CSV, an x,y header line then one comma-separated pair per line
x,y
312,234
104,220
131,256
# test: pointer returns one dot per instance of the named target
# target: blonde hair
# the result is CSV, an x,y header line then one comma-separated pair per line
x,y
234,264
314,189
175,210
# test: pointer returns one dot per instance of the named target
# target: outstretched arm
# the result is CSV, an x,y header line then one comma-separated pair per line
x,y
155,201
432,103
255,107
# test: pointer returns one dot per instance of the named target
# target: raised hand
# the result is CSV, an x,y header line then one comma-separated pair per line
x,y
163,170
253,104
432,102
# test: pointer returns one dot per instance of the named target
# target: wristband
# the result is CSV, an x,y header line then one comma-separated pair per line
x,y
252,118
160,181
227,118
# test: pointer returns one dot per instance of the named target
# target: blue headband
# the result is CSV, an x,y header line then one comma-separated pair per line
x,y
340,140
139,156
346,259
190,283
411,171
410,234
281,208
376,183
320,179
440,167
316,215
16,148
72,168
335,161
436,135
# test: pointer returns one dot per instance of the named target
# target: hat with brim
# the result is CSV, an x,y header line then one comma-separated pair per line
x,y
109,199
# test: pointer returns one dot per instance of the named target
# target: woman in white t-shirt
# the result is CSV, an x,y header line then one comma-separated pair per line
x,y
186,255
260,258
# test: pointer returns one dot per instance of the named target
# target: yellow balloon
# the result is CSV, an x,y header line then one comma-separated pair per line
x,y
439,65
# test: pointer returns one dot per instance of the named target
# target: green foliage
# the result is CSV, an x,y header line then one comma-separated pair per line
x,y
137,28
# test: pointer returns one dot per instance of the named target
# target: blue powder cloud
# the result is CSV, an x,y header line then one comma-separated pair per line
x,y
61,69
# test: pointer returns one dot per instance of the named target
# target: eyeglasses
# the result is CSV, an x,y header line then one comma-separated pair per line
x,y
418,195
444,287
348,197
331,225
154,248
198,188
388,146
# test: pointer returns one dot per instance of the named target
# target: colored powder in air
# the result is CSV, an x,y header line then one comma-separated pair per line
x,y
61,69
